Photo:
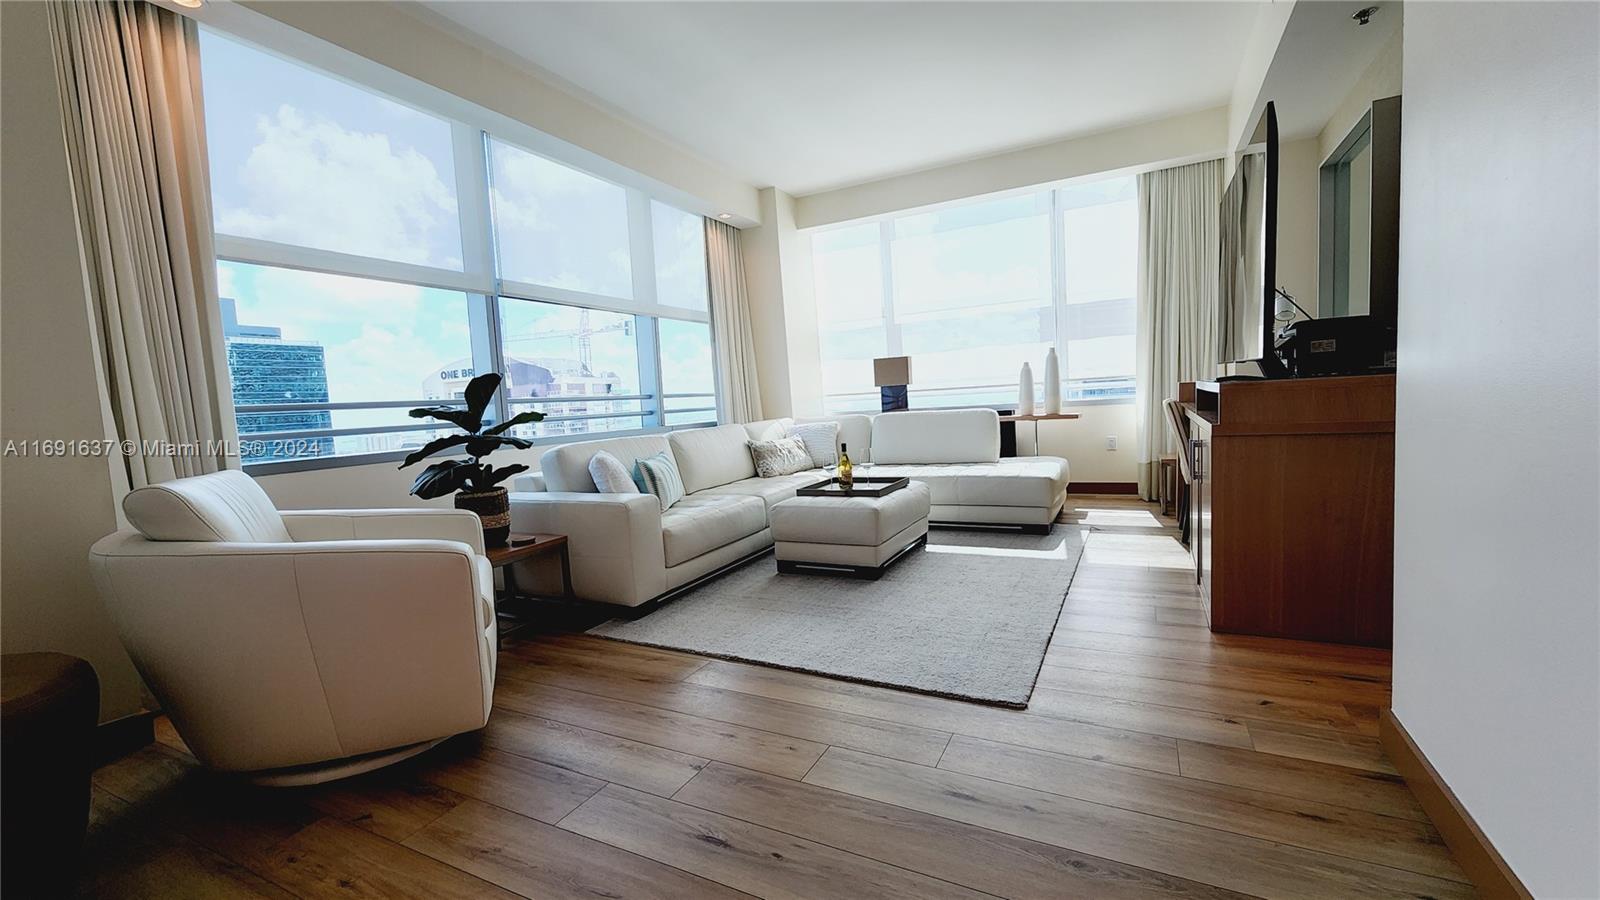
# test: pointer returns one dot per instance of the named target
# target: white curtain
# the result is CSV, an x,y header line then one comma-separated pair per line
x,y
130,88
1179,253
739,399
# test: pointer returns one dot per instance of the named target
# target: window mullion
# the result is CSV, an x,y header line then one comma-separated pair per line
x,y
891,328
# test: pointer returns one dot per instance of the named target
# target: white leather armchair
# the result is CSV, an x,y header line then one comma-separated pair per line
x,y
301,646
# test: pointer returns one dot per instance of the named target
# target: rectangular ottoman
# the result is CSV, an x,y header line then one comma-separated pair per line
x,y
860,536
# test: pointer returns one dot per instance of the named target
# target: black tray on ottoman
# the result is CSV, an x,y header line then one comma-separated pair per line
x,y
861,487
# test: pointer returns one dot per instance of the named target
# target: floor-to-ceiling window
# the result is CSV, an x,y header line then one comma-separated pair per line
x,y
375,255
971,291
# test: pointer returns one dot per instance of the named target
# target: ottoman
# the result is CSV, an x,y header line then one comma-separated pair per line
x,y
860,536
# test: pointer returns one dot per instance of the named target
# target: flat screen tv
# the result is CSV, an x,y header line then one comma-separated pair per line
x,y
1249,239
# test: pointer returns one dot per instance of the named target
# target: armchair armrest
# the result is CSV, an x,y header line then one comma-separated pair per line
x,y
319,649
613,540
379,524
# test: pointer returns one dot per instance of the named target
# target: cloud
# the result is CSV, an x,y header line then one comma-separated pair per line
x,y
560,227
310,182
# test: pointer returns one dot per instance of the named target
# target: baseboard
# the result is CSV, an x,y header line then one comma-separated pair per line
x,y
119,737
1470,846
1103,487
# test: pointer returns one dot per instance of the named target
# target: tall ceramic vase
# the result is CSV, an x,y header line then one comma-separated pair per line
x,y
1025,391
1052,383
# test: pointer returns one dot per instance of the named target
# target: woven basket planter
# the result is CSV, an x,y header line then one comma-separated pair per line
x,y
494,511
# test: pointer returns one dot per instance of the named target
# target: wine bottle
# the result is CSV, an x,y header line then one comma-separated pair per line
x,y
847,470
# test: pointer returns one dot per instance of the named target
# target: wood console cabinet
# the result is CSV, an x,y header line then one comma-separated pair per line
x,y
1292,506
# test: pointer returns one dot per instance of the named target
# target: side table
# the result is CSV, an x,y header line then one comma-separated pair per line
x,y
524,547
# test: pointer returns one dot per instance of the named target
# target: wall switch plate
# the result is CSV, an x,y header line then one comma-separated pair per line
x,y
1111,442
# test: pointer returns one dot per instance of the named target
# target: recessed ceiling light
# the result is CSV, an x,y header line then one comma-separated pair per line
x,y
724,215
190,4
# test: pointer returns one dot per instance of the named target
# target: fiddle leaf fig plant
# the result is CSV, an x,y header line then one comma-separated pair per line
x,y
468,475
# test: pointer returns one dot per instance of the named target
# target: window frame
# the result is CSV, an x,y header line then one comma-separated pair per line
x,y
472,128
893,329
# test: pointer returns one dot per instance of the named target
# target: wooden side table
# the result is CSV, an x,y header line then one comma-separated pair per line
x,y
524,547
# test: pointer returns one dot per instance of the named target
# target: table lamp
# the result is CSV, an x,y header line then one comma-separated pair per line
x,y
891,374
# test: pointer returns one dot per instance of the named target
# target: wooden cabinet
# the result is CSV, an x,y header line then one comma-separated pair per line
x,y
1200,499
1292,506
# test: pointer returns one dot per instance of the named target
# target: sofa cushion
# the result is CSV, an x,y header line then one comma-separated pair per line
x,y
855,429
936,436
700,523
708,457
769,429
1033,481
783,456
610,475
771,490
821,440
659,475
566,468
221,506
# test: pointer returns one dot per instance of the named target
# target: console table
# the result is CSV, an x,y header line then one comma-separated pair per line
x,y
1012,420
1291,507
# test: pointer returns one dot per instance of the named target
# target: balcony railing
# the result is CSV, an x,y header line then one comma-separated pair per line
x,y
645,410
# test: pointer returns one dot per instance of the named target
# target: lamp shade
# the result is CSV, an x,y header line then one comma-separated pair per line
x,y
889,371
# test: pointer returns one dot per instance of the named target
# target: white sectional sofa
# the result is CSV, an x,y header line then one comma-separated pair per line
x,y
626,550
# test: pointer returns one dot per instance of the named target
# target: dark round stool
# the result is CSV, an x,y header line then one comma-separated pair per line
x,y
49,705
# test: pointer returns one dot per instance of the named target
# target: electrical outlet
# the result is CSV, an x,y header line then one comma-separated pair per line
x,y
1111,442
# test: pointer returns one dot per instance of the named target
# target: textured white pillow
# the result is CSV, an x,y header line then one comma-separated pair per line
x,y
784,456
821,440
610,475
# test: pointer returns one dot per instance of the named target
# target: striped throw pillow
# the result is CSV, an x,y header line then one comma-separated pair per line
x,y
659,475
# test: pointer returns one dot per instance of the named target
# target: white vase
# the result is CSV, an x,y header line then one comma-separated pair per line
x,y
1052,383
1025,391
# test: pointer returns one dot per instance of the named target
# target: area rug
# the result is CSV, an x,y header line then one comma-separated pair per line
x,y
967,617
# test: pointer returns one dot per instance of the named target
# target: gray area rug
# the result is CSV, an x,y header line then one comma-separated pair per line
x,y
968,617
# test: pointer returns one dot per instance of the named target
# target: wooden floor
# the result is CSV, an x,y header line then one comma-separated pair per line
x,y
1155,759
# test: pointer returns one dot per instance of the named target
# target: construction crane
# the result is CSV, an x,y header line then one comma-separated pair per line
x,y
585,335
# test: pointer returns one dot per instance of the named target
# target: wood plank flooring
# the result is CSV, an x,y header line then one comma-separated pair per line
x,y
1154,760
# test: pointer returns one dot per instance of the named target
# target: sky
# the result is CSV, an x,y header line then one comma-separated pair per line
x,y
972,293
303,158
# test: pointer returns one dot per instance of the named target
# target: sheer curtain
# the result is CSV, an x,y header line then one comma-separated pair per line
x,y
739,400
1179,254
130,87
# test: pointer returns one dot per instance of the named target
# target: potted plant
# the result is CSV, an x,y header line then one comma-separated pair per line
x,y
475,483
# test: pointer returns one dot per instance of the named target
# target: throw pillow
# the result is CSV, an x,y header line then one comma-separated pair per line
x,y
659,475
821,440
610,475
784,456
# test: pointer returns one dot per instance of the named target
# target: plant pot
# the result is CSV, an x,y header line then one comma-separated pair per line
x,y
494,511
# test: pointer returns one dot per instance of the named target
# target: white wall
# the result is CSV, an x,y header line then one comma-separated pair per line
x,y
1298,173
1382,78
1172,141
1082,442
1497,505
50,385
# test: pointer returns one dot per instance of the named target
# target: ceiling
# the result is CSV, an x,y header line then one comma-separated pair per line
x,y
1318,59
814,96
